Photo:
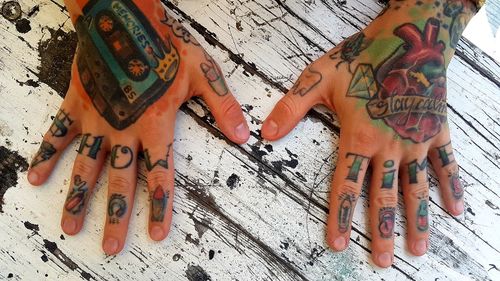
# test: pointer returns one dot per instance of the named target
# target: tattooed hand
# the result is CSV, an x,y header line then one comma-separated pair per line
x,y
134,67
387,85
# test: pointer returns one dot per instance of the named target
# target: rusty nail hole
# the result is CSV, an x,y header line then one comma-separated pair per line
x,y
11,10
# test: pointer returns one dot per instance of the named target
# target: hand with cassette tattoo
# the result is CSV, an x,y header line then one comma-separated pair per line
x,y
387,85
134,67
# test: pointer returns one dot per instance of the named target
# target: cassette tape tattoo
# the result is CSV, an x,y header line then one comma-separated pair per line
x,y
123,63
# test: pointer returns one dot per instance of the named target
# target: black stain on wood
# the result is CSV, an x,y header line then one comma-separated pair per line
x,y
23,25
211,254
31,226
190,239
44,257
52,248
29,82
10,164
56,55
34,11
233,181
176,257
197,273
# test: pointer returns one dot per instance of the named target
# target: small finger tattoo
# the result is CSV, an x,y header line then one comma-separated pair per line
x,y
386,217
161,162
423,214
345,212
415,169
446,154
214,76
126,153
77,197
159,202
388,177
117,207
355,168
310,79
456,186
61,123
44,153
93,148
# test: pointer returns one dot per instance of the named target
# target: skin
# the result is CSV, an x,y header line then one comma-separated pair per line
x,y
399,59
151,124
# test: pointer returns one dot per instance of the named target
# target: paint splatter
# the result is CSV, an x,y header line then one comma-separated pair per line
x,y
10,164
233,181
197,273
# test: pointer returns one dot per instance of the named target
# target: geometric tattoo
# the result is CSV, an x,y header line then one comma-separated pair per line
x,y
123,63
93,148
45,152
117,207
355,167
414,168
422,214
60,124
386,221
124,150
446,155
388,178
159,200
345,212
160,162
214,76
77,196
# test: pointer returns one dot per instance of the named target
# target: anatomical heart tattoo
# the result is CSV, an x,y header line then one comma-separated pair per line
x,y
408,90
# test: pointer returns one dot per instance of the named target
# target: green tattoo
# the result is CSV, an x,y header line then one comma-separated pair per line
x,y
414,168
355,167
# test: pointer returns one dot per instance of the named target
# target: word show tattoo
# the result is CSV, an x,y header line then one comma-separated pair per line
x,y
93,148
159,200
61,123
408,90
117,207
355,168
121,152
75,201
214,76
123,63
414,168
160,162
350,49
346,210
386,217
308,81
457,189
179,30
423,214
445,153
388,177
44,153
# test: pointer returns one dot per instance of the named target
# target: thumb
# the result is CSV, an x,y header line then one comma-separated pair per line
x,y
224,107
294,105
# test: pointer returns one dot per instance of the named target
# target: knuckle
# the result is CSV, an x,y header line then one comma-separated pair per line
x,y
420,190
119,184
350,189
157,177
362,138
83,169
387,201
287,104
229,105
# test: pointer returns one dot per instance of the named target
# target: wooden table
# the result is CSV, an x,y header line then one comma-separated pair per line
x,y
250,212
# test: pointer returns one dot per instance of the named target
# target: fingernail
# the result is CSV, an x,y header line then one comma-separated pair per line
x,y
156,233
32,177
421,247
242,132
271,128
459,207
385,259
69,226
339,243
110,246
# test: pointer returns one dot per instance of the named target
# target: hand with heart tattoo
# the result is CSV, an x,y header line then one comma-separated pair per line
x,y
134,67
387,85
